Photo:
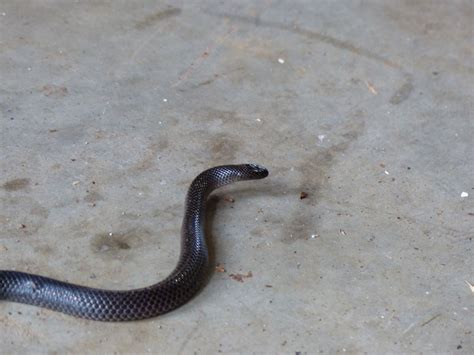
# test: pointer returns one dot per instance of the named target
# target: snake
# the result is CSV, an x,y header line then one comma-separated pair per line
x,y
184,282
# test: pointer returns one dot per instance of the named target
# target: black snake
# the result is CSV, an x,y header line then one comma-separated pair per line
x,y
178,288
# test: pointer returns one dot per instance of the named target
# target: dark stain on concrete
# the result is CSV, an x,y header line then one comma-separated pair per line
x,y
23,216
223,148
93,197
211,114
157,17
402,94
298,228
314,170
150,155
334,42
40,211
16,184
69,135
258,232
118,242
44,250
169,213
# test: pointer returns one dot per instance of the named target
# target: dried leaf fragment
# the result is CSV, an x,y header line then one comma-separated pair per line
x,y
241,277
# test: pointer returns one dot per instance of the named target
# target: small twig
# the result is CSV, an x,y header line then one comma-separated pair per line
x,y
431,319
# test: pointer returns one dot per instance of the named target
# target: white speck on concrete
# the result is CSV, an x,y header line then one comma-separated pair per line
x,y
464,194
386,172
165,100
281,61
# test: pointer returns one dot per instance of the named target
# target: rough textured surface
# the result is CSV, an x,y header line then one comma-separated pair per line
x,y
109,109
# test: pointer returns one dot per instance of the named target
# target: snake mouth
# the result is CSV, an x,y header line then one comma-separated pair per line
x,y
257,171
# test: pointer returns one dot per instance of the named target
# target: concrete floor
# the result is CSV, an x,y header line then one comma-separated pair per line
x,y
109,109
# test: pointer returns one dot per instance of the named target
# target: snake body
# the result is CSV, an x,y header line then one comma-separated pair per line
x,y
112,305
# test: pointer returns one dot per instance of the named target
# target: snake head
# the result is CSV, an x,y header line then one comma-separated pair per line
x,y
255,171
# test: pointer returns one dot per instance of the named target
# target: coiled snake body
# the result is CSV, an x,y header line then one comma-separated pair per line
x,y
178,288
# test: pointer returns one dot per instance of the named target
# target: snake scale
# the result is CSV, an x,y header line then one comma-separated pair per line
x,y
127,305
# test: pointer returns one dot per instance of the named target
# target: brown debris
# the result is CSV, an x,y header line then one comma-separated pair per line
x,y
303,195
54,90
220,268
241,277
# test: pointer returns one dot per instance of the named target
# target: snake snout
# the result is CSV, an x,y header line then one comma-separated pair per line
x,y
257,171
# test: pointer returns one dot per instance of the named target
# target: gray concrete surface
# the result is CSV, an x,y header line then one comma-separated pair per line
x,y
110,108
